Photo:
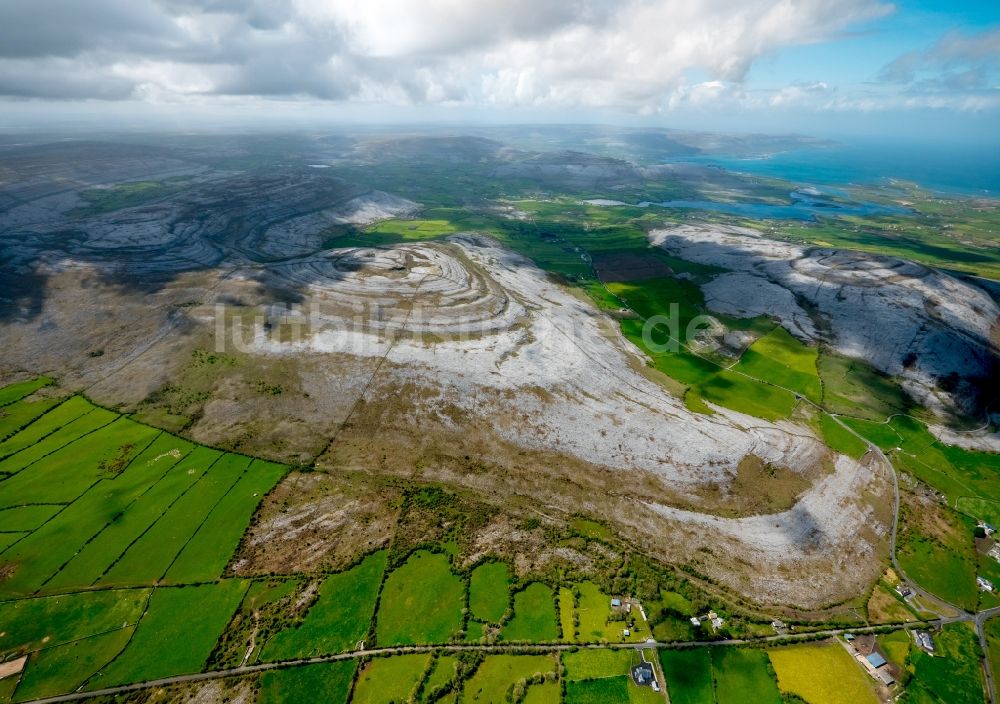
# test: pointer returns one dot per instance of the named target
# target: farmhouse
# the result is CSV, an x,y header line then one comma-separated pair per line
x,y
924,640
984,584
779,627
904,591
642,674
616,603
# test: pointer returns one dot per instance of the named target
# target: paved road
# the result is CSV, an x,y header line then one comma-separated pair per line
x,y
946,611
957,613
501,648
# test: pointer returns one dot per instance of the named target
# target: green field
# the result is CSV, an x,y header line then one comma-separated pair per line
x,y
544,693
15,392
896,646
610,690
822,674
206,554
65,668
62,417
780,359
599,622
30,624
534,615
19,414
340,617
191,617
390,680
421,602
943,561
983,509
442,674
959,474
592,664
688,674
719,675
992,628
839,438
102,499
301,684
489,591
742,676
149,558
499,674
567,614
953,675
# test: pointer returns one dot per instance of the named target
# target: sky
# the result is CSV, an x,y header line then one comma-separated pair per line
x,y
926,67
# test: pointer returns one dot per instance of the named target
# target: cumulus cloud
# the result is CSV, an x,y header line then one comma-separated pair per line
x,y
631,54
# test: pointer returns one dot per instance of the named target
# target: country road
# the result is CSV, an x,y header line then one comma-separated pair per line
x,y
500,648
944,606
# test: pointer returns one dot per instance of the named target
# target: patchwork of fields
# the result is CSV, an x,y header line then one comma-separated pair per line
x,y
117,537
116,540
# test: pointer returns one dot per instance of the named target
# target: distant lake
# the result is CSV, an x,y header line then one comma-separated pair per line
x,y
966,169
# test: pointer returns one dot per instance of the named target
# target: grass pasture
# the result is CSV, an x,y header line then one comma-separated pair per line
x,y
742,676
885,607
896,646
688,673
63,475
421,602
567,614
489,591
189,618
64,668
24,519
21,413
544,693
48,621
88,496
592,664
954,675
534,615
390,680
301,684
46,425
610,690
940,556
840,439
992,628
340,617
208,551
499,674
39,559
822,674
783,360
443,672
150,557
15,392
597,619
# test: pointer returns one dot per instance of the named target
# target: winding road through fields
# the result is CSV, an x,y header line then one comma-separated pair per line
x,y
501,648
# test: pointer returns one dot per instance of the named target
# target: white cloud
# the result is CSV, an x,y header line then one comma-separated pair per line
x,y
630,54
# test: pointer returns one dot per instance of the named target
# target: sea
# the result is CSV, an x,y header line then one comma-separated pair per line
x,y
951,168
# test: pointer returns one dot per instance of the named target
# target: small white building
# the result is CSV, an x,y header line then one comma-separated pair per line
x,y
924,641
984,584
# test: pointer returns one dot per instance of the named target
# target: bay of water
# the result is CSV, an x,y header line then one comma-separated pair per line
x,y
957,168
